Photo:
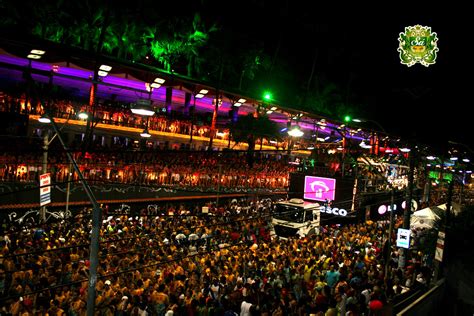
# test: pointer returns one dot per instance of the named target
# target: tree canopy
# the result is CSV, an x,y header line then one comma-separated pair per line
x,y
190,43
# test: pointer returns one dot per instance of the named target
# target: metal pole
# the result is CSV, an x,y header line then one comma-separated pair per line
x,y
390,230
91,108
96,221
441,178
192,121
449,201
44,169
216,108
214,121
68,189
407,213
411,174
354,193
343,152
290,143
448,222
218,185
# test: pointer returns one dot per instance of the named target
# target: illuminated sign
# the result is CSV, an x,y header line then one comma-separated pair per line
x,y
437,175
418,45
440,246
319,188
45,189
414,205
403,238
384,208
334,210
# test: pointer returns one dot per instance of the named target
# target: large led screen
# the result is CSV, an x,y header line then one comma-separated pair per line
x,y
319,188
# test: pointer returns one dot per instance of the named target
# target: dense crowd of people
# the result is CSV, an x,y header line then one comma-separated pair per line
x,y
225,262
106,113
179,169
159,171
179,260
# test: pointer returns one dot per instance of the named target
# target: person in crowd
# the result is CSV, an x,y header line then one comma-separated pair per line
x,y
151,264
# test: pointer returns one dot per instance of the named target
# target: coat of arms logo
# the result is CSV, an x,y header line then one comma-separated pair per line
x,y
418,45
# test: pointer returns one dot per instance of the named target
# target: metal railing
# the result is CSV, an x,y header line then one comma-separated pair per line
x,y
417,303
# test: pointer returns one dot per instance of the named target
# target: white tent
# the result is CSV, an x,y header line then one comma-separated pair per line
x,y
423,218
455,208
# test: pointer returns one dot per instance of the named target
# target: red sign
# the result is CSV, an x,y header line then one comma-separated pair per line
x,y
45,189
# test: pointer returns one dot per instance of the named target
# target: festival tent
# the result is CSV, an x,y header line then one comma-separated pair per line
x,y
455,208
425,218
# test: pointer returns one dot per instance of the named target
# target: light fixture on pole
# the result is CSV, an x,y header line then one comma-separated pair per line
x,y
95,231
104,70
157,83
219,102
295,131
145,133
143,107
35,54
267,96
44,119
322,124
201,93
83,115
239,102
364,145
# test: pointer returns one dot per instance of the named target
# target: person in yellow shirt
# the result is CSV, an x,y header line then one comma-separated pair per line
x,y
15,307
55,310
78,306
161,296
369,258
327,262
178,270
308,270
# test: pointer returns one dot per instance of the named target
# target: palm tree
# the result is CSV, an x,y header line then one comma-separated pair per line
x,y
248,129
81,23
252,61
242,132
90,24
266,128
167,44
124,39
195,39
322,98
178,38
167,51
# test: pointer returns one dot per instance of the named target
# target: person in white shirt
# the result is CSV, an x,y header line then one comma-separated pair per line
x,y
245,309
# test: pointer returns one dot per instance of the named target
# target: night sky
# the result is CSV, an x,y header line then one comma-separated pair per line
x,y
357,49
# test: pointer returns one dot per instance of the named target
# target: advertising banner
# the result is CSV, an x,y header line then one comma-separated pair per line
x,y
440,247
319,188
403,238
45,189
